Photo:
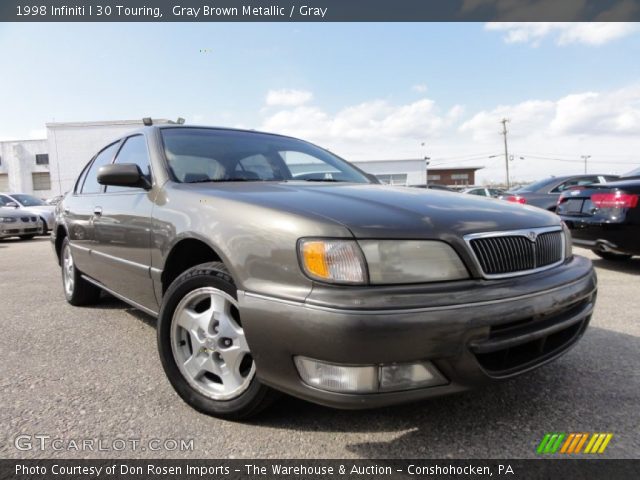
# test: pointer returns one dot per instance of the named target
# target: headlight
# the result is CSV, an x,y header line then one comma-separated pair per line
x,y
568,242
8,219
411,261
380,262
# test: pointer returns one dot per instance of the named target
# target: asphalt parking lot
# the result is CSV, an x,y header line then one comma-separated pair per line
x,y
94,373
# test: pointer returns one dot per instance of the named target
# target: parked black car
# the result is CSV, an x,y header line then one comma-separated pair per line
x,y
545,193
606,217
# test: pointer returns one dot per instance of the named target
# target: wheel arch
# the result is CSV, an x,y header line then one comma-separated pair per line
x,y
61,234
188,252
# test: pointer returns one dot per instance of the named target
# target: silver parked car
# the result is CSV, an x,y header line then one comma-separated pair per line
x,y
15,222
274,265
32,204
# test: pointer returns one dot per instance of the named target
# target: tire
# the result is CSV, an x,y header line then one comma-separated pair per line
x,y
199,314
26,237
614,257
77,290
44,230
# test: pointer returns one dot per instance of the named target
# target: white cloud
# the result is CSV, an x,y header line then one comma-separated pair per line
x,y
420,88
366,128
564,33
287,97
603,124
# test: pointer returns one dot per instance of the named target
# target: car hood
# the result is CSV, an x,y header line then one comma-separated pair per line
x,y
41,208
14,212
378,211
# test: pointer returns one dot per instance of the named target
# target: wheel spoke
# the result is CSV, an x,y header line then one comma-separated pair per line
x,y
195,365
193,321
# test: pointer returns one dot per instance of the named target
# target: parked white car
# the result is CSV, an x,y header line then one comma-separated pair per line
x,y
16,222
32,204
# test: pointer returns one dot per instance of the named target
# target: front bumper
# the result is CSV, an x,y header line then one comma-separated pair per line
x,y
17,229
474,331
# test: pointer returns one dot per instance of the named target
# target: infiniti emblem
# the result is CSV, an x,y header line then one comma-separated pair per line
x,y
532,236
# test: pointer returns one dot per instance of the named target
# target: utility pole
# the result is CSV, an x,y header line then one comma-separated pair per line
x,y
426,163
585,158
506,150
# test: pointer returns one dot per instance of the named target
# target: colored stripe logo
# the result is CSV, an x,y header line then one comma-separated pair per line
x,y
574,443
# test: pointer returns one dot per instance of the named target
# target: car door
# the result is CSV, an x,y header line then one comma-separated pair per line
x,y
122,220
79,214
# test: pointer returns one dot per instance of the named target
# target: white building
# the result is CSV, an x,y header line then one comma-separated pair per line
x,y
396,172
24,167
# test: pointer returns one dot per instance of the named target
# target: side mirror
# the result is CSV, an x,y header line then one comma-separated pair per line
x,y
11,204
123,175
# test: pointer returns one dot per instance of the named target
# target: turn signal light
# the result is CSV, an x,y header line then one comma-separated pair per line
x,y
614,200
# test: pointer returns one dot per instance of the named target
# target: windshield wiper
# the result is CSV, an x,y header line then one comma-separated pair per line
x,y
323,180
219,180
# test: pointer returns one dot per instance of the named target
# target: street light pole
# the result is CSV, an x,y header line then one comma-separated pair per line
x,y
506,150
585,158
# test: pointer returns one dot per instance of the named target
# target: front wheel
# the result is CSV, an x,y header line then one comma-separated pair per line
x,y
614,257
43,230
203,348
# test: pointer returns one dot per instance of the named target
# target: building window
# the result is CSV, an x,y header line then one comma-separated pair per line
x,y
393,178
42,159
433,177
41,180
4,182
460,176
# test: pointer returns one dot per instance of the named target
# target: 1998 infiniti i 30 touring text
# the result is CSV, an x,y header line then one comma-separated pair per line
x,y
273,265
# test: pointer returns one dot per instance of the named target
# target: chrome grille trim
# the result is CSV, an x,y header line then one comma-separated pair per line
x,y
511,253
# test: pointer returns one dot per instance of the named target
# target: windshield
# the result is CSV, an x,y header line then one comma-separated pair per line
x,y
633,173
208,155
535,186
28,200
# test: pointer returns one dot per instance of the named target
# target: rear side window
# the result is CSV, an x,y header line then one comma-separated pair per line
x,y
133,151
105,157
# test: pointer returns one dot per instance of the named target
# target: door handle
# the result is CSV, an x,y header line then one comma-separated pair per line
x,y
97,211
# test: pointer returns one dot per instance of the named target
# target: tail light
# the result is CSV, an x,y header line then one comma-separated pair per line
x,y
515,199
614,200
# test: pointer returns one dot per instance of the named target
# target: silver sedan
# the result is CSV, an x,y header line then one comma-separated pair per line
x,y
19,223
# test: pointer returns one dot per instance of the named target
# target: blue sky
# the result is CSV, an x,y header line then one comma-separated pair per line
x,y
363,90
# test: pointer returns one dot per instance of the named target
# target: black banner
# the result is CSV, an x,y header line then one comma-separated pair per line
x,y
574,469
317,10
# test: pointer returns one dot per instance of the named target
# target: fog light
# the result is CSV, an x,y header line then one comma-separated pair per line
x,y
368,378
407,376
338,378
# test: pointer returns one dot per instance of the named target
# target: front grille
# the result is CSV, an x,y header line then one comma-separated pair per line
x,y
33,219
516,252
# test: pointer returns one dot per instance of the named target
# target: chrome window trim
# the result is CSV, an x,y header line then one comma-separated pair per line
x,y
518,233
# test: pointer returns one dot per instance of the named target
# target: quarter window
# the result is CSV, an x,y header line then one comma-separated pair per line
x,y
105,157
133,151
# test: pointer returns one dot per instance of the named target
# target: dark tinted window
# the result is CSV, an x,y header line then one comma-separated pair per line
x,y
201,155
28,200
105,157
134,151
574,182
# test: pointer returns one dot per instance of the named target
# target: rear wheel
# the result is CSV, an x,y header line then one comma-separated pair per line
x,y
203,348
614,257
76,289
